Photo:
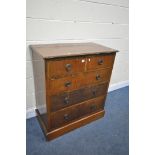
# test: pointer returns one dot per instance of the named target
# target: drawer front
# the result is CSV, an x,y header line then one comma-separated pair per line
x,y
65,66
67,99
100,61
78,81
72,113
98,76
68,83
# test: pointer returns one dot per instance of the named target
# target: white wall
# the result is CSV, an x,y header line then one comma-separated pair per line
x,y
100,21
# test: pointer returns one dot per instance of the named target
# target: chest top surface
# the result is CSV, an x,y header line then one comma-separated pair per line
x,y
47,51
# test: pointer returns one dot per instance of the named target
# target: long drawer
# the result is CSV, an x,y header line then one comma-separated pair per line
x,y
78,81
67,99
67,115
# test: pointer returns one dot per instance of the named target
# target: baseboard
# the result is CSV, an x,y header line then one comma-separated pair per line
x,y
118,85
31,112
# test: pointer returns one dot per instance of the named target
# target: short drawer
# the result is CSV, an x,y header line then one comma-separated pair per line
x,y
100,61
98,76
67,99
67,115
57,68
78,81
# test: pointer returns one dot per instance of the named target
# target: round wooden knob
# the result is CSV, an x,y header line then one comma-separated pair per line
x,y
93,107
68,84
66,117
100,62
94,92
98,77
66,100
68,67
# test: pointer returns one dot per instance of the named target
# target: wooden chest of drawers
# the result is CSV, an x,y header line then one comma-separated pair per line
x,y
71,83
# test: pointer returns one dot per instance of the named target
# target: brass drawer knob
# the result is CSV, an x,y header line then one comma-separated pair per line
x,y
68,67
68,84
98,77
100,62
66,100
66,117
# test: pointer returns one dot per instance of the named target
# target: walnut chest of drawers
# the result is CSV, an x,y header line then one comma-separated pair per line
x,y
71,83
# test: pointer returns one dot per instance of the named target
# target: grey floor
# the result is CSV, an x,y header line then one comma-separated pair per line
x,y
106,136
